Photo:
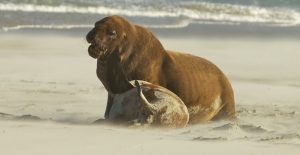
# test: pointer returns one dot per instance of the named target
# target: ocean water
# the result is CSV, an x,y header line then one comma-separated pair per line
x,y
68,14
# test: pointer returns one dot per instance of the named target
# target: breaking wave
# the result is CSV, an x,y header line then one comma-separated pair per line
x,y
45,27
67,16
194,11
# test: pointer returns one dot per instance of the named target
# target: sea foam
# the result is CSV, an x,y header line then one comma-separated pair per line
x,y
186,13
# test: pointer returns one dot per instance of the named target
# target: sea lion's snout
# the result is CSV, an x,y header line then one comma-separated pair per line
x,y
90,36
97,49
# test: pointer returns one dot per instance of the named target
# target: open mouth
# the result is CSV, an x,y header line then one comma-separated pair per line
x,y
98,52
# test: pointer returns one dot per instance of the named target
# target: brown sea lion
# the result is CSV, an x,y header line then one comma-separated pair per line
x,y
201,85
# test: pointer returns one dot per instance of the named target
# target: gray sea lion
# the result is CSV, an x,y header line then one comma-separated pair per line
x,y
149,104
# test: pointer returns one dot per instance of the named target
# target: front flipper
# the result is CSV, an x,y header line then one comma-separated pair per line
x,y
108,105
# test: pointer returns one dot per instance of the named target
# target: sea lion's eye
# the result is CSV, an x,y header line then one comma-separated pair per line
x,y
113,34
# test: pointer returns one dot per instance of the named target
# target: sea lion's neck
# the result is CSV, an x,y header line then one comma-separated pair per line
x,y
145,54
145,39
118,82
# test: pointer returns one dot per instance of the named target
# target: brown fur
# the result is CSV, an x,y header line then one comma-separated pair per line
x,y
198,82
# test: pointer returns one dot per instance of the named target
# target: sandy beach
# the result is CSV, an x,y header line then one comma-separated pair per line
x,y
50,94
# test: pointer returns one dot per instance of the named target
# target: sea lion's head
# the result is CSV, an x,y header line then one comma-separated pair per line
x,y
108,34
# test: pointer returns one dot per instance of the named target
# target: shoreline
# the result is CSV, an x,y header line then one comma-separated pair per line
x,y
210,31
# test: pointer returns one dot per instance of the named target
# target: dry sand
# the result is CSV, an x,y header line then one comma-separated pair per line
x,y
53,78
